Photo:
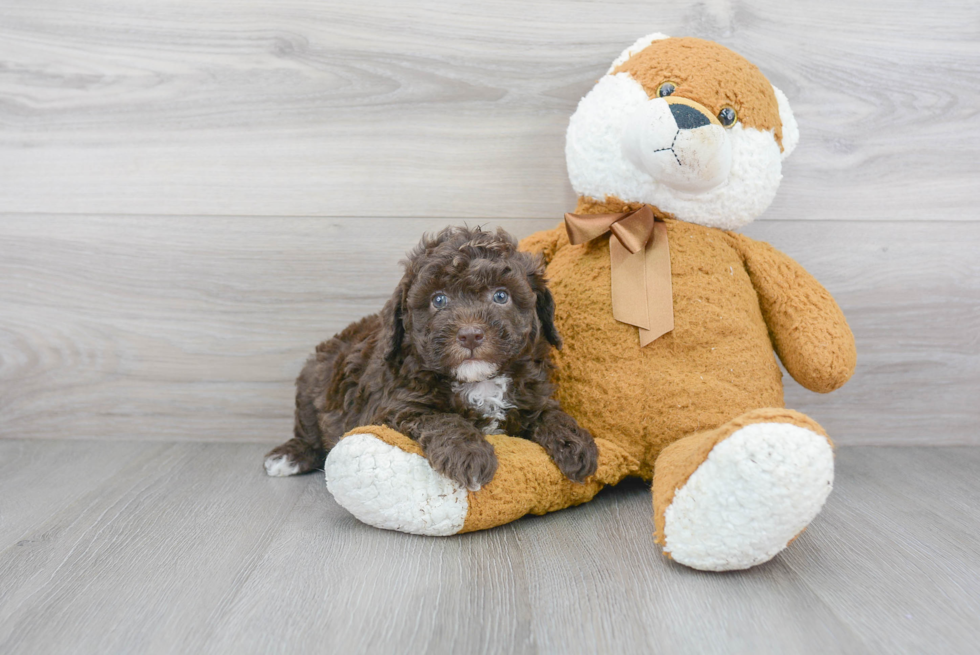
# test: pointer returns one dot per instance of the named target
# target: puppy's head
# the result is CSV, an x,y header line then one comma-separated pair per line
x,y
468,305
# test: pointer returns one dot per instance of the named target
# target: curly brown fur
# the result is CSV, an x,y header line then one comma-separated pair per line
x,y
462,349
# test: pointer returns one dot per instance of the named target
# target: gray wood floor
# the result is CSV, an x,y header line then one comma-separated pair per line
x,y
163,547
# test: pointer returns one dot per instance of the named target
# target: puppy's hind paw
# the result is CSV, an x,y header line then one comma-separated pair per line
x,y
292,458
280,466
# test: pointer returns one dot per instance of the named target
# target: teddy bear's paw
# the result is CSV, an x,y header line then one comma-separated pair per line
x,y
753,494
391,489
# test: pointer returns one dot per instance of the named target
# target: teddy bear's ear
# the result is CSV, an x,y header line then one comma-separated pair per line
x,y
791,131
640,44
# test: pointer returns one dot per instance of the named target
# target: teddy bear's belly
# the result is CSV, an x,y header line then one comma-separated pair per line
x,y
717,363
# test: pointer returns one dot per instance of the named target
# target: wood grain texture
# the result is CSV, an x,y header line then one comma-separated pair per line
x,y
195,328
69,469
436,108
190,548
158,545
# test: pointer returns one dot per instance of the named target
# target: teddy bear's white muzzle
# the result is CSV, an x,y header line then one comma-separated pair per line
x,y
678,145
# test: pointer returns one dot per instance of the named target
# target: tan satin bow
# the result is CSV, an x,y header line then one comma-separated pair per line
x,y
641,291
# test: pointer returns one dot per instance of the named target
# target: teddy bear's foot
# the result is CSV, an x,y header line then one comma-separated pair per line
x,y
383,479
734,497
385,486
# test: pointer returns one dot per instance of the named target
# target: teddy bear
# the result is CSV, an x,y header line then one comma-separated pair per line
x,y
671,324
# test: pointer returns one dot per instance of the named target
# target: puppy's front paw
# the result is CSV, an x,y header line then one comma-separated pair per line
x,y
469,462
577,457
570,446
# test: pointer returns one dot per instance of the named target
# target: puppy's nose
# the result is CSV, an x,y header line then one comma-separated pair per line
x,y
688,117
470,337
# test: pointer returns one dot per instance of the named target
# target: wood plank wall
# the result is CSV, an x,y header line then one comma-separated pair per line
x,y
194,192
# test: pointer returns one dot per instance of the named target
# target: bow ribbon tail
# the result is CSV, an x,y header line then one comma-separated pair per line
x,y
660,294
641,287
629,285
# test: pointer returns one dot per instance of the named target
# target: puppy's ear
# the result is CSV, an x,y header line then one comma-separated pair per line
x,y
393,322
545,304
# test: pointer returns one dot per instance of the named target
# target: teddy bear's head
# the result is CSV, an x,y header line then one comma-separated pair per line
x,y
685,125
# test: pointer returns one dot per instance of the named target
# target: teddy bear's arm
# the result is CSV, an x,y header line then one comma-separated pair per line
x,y
807,328
545,243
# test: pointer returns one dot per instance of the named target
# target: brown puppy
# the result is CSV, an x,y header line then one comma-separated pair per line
x,y
461,350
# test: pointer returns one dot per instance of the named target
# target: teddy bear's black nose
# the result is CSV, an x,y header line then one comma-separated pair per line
x,y
687,117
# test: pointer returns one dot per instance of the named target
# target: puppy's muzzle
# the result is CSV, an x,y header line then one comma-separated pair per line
x,y
678,142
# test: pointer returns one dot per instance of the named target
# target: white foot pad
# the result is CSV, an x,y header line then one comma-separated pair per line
x,y
280,467
757,490
388,488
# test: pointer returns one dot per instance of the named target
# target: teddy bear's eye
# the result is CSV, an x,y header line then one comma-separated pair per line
x,y
440,300
666,89
727,116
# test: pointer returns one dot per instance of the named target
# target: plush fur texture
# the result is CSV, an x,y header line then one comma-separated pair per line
x,y
699,410
791,130
405,494
638,46
601,135
754,493
711,75
462,349
388,495
718,362
681,459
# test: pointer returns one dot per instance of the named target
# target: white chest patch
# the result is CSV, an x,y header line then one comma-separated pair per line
x,y
489,397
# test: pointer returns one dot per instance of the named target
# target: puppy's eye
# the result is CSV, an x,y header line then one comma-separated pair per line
x,y
440,300
727,116
666,89
501,297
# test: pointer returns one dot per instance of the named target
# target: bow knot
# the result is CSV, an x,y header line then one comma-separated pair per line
x,y
640,259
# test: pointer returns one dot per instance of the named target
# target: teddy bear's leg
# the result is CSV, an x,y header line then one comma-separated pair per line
x,y
735,496
382,478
